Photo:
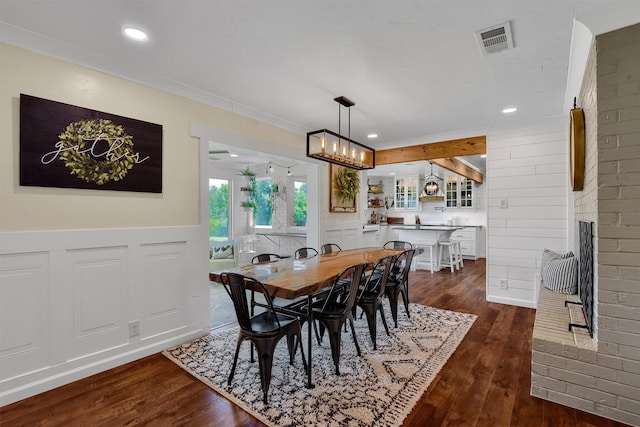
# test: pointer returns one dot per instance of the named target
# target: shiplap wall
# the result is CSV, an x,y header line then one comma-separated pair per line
x,y
527,185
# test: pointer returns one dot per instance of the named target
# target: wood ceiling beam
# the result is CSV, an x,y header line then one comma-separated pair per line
x,y
436,150
455,165
443,151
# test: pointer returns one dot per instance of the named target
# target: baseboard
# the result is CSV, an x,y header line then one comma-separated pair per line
x,y
512,301
58,379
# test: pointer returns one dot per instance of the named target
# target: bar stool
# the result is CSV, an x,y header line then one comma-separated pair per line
x,y
422,257
454,252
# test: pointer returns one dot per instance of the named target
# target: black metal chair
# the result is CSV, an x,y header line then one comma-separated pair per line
x,y
264,258
329,248
264,330
398,244
332,312
305,253
398,283
371,294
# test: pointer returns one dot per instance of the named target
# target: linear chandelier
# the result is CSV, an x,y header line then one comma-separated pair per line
x,y
335,148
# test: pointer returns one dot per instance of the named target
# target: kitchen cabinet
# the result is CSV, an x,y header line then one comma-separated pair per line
x,y
406,193
458,191
468,238
371,239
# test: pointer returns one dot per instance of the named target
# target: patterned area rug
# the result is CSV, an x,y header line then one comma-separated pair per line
x,y
378,389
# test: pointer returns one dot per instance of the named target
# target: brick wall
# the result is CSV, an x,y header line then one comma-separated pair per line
x,y
618,223
606,381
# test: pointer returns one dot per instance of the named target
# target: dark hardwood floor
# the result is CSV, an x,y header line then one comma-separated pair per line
x,y
485,382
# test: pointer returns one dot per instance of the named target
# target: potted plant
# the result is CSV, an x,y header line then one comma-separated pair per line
x,y
248,204
247,172
250,187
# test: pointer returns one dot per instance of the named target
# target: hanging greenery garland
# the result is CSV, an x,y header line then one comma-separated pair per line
x,y
347,183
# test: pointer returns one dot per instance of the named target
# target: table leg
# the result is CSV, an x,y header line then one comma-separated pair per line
x,y
309,340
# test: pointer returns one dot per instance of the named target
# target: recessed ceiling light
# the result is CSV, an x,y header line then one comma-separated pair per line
x,y
233,155
483,156
372,135
509,110
392,173
135,34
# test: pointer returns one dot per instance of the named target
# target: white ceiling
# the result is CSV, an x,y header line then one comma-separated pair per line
x,y
413,68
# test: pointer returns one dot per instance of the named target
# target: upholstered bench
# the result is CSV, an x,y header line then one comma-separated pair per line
x,y
224,255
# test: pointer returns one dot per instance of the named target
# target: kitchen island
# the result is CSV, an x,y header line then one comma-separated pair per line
x,y
426,237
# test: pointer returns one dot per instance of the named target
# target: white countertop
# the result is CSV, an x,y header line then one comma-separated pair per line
x,y
384,224
424,227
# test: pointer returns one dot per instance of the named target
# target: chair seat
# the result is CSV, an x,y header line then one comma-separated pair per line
x,y
330,309
368,296
265,322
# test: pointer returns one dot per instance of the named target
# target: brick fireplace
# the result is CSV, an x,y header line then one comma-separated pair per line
x,y
602,375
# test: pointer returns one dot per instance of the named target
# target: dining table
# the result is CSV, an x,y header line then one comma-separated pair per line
x,y
291,278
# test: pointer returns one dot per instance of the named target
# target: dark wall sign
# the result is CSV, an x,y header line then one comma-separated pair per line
x,y
62,145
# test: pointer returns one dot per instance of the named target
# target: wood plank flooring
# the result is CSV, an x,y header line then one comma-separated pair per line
x,y
485,382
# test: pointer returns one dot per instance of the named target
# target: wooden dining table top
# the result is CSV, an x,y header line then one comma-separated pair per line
x,y
292,278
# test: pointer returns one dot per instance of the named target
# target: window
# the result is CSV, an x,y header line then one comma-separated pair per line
x,y
264,206
300,203
218,209
406,189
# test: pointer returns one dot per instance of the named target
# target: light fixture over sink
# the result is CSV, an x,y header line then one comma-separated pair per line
x,y
334,148
431,186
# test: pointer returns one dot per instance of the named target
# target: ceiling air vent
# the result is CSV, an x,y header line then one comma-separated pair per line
x,y
494,39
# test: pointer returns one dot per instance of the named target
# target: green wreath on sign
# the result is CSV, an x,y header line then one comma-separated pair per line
x,y
97,151
347,183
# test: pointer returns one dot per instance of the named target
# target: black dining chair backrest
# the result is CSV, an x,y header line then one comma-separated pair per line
x,y
398,244
264,258
376,282
329,248
305,253
238,286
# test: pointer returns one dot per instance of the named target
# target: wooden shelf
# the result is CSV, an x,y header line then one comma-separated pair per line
x,y
431,199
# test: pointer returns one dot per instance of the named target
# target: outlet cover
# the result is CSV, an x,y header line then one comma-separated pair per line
x,y
134,328
503,283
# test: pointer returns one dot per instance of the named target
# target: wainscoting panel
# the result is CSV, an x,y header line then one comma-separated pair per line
x,y
163,290
347,234
24,311
97,283
68,298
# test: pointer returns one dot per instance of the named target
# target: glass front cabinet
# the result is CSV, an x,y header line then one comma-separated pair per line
x,y
406,193
458,192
